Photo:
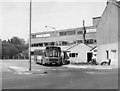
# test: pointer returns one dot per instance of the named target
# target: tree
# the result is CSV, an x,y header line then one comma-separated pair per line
x,y
9,49
14,47
17,41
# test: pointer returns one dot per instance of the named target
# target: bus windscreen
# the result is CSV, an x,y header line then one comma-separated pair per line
x,y
53,52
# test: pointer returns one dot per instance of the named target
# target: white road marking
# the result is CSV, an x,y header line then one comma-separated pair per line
x,y
54,69
60,69
99,73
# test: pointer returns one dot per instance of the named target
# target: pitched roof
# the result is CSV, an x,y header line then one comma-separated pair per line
x,y
114,2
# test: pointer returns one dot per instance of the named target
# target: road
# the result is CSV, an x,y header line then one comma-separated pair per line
x,y
57,78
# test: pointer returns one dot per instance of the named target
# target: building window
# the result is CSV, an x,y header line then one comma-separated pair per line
x,y
74,42
95,41
52,43
33,36
64,43
90,41
95,50
76,54
73,54
46,44
42,35
62,33
36,45
40,44
90,30
71,32
79,32
32,53
79,41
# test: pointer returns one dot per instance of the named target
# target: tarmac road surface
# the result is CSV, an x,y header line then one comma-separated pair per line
x,y
58,78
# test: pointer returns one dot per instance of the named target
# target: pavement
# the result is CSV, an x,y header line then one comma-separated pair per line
x,y
23,70
98,67
19,67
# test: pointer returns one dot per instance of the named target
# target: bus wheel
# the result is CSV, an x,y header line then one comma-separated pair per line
x,y
68,62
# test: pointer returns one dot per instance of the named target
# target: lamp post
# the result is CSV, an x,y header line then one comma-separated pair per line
x,y
50,27
30,36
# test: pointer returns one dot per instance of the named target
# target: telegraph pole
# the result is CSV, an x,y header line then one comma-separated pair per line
x,y
30,36
84,32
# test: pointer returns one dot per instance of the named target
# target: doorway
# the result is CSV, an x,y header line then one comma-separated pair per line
x,y
89,56
107,54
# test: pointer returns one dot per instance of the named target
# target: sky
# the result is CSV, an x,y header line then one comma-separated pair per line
x,y
14,15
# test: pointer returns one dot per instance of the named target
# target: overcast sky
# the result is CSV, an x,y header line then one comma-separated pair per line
x,y
14,16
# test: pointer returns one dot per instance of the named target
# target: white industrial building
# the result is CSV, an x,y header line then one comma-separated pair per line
x,y
68,39
108,33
